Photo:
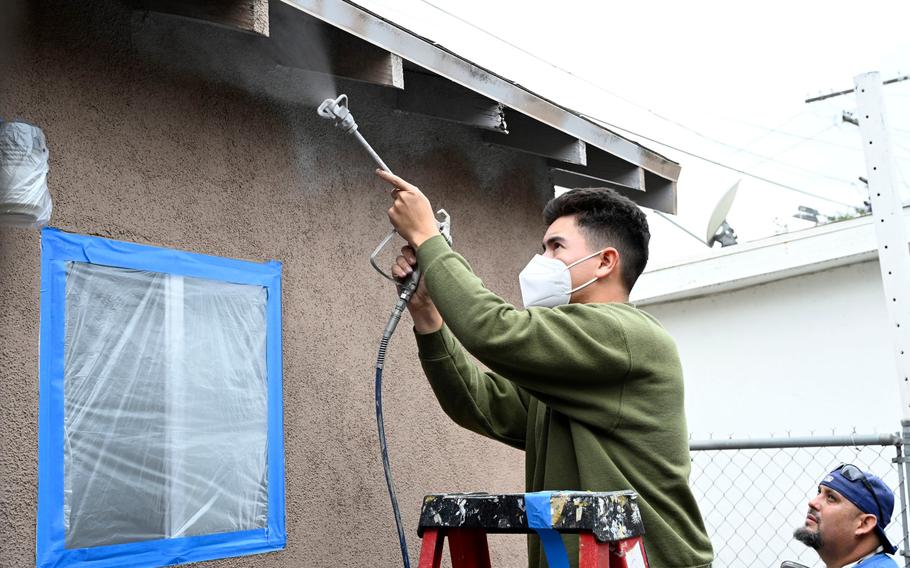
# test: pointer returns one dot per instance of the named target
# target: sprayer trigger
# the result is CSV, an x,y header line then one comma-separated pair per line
x,y
444,224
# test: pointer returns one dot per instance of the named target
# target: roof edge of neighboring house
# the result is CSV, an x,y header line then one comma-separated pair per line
x,y
767,260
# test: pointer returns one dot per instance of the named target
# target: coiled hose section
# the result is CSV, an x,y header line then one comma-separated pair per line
x,y
407,290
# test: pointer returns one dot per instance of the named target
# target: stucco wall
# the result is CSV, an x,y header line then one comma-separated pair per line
x,y
146,150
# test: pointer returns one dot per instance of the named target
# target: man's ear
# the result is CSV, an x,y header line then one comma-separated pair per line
x,y
609,263
866,524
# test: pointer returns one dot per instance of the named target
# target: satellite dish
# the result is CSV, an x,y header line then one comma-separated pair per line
x,y
718,229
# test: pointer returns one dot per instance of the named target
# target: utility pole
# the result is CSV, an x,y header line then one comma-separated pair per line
x,y
893,255
890,228
888,218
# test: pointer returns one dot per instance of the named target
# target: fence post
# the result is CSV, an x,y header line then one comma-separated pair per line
x,y
903,470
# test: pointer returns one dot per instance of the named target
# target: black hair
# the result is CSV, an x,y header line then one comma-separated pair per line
x,y
607,218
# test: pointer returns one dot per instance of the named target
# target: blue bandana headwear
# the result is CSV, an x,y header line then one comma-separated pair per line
x,y
862,496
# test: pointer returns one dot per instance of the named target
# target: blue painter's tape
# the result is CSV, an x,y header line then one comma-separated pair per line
x,y
277,535
59,248
68,247
540,518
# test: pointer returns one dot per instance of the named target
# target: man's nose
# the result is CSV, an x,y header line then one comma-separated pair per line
x,y
814,503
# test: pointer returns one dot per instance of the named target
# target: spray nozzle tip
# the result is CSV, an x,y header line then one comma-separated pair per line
x,y
337,111
330,107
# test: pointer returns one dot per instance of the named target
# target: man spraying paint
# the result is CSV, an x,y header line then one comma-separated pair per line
x,y
587,385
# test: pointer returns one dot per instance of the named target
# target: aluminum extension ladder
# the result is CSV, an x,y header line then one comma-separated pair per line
x,y
609,527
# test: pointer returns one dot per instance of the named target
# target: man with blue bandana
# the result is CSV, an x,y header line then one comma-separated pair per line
x,y
847,519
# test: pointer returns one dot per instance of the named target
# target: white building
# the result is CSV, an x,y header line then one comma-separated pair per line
x,y
783,334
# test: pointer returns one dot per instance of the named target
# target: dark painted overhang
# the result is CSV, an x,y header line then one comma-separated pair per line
x,y
340,38
601,157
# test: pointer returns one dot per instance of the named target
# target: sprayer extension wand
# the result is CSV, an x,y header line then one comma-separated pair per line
x,y
337,111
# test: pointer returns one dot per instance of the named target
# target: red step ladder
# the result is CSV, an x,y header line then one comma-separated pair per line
x,y
609,528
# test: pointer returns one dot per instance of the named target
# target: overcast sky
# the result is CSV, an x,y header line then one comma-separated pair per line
x,y
721,80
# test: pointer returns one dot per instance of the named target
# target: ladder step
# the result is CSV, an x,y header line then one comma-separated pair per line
x,y
611,516
608,524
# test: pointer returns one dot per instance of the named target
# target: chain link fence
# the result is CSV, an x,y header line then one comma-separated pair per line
x,y
754,493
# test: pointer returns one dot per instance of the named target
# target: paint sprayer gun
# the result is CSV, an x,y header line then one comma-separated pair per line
x,y
337,111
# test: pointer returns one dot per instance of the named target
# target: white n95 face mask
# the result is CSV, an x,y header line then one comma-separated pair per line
x,y
547,282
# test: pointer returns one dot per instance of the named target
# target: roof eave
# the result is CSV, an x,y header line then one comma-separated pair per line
x,y
387,35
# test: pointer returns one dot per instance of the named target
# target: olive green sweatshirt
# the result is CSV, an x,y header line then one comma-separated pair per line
x,y
593,393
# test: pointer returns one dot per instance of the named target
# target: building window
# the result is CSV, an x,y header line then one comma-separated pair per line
x,y
160,420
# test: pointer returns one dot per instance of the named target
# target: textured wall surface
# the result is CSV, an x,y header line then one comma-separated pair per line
x,y
154,142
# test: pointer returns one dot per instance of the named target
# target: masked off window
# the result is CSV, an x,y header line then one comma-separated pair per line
x,y
165,406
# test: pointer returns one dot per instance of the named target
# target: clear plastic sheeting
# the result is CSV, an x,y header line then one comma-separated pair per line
x,y
165,406
24,198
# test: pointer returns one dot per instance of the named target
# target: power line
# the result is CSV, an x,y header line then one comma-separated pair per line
x,y
776,130
793,134
742,149
722,165
800,143
788,165
768,132
633,103
537,57
558,68
900,174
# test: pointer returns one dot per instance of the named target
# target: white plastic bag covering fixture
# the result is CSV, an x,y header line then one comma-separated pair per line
x,y
24,198
165,413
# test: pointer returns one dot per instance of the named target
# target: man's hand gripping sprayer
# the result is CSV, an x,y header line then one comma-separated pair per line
x,y
337,111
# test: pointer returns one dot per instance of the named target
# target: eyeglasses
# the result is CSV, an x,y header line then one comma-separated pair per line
x,y
852,473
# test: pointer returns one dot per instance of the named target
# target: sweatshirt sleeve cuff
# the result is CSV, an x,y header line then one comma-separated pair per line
x,y
430,250
435,345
